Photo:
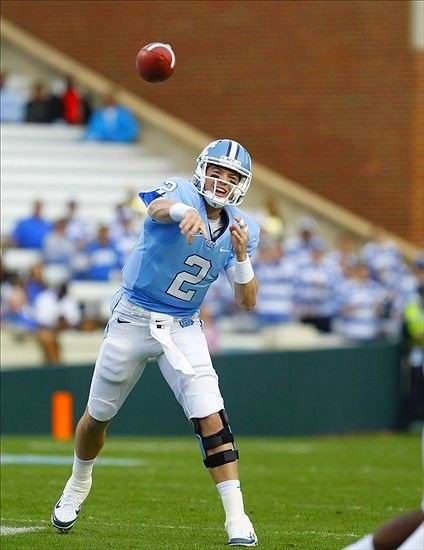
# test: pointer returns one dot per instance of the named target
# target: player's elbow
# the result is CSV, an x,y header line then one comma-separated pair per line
x,y
159,210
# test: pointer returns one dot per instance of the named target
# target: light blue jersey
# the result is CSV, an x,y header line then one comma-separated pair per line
x,y
166,274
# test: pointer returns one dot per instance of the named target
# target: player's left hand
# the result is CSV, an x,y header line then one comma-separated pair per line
x,y
239,239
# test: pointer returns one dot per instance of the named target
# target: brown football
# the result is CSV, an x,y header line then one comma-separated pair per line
x,y
155,62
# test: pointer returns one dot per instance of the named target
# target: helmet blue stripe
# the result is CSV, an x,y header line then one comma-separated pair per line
x,y
229,148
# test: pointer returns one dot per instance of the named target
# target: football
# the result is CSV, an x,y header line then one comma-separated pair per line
x,y
155,62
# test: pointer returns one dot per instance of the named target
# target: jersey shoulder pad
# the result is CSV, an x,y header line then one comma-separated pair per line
x,y
175,188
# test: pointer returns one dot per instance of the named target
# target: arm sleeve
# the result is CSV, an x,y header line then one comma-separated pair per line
x,y
230,275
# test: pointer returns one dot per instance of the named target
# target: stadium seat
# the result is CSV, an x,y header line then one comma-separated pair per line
x,y
20,260
92,292
55,275
52,163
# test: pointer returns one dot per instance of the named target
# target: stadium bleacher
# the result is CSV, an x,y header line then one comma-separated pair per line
x,y
53,164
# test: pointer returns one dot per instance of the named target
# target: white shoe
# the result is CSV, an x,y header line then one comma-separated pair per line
x,y
65,513
240,532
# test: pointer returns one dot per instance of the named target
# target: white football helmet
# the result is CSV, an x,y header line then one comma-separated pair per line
x,y
228,154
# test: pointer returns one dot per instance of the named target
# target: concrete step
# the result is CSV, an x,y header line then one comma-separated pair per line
x,y
24,351
48,164
71,182
70,150
51,132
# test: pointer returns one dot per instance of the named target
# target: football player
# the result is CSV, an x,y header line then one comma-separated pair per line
x,y
193,231
404,532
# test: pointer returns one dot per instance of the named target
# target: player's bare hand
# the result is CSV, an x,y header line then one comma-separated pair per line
x,y
192,224
239,239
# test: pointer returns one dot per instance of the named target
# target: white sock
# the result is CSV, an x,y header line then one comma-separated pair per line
x,y
80,479
232,498
365,543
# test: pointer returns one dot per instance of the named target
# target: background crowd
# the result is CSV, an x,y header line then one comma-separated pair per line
x,y
360,293
64,101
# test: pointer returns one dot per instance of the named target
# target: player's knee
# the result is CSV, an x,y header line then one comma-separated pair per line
x,y
99,413
211,424
214,432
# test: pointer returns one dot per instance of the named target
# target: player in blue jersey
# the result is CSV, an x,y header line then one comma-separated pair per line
x,y
193,231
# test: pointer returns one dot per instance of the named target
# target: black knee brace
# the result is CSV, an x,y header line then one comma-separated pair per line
x,y
216,440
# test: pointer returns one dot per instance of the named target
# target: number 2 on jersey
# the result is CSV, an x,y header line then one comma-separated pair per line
x,y
174,288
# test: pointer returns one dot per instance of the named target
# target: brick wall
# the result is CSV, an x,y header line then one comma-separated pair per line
x,y
322,91
417,166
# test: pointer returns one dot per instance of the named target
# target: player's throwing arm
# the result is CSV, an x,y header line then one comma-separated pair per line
x,y
246,284
190,221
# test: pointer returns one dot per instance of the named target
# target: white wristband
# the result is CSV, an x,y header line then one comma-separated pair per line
x,y
179,210
243,272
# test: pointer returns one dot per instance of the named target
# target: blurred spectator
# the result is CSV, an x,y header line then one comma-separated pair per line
x,y
381,254
5,285
57,248
401,288
360,305
87,102
126,239
78,229
57,88
12,101
273,223
54,310
112,122
73,104
35,283
40,108
302,244
317,282
344,256
16,307
18,296
134,203
31,232
124,231
100,260
277,276
414,331
123,214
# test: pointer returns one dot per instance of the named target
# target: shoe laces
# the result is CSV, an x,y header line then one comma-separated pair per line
x,y
70,500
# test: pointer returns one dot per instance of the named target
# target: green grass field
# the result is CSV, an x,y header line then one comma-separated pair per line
x,y
303,493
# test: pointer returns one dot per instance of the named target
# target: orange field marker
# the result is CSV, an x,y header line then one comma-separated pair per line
x,y
62,415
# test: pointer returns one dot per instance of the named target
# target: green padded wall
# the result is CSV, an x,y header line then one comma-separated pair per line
x,y
275,393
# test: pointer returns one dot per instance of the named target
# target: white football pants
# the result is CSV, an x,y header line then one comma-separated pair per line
x,y
123,355
415,541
